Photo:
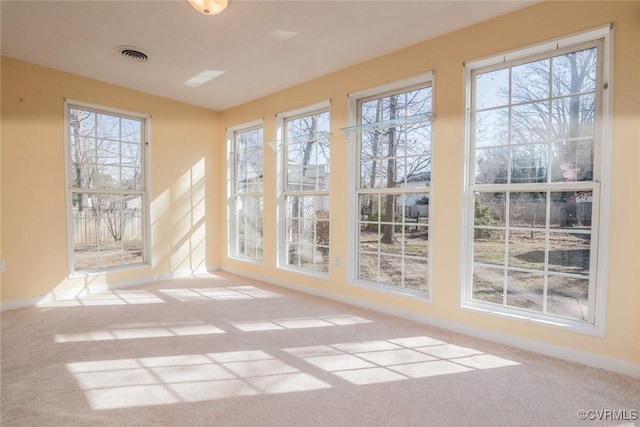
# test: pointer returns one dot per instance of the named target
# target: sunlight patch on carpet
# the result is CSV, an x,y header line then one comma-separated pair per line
x,y
300,323
124,333
219,293
125,383
381,361
118,297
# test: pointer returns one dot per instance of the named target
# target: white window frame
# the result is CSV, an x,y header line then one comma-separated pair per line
x,y
595,325
232,192
354,98
280,146
144,193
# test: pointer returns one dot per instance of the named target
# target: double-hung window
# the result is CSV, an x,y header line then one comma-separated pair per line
x,y
247,199
306,173
534,195
107,187
393,179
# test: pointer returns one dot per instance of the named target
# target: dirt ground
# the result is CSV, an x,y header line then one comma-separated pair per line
x,y
107,254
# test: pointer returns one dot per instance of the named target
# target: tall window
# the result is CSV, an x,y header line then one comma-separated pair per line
x,y
305,201
534,182
393,179
107,188
248,201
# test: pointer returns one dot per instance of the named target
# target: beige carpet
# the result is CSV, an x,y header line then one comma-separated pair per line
x,y
222,350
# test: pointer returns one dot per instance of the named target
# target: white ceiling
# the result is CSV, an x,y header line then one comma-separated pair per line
x,y
262,46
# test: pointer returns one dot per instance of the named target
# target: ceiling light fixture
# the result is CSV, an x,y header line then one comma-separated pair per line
x,y
209,7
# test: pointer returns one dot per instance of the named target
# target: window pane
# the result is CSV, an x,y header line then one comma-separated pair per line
x,y
527,249
82,122
568,296
418,139
249,161
491,165
249,227
131,130
108,152
492,128
524,290
530,123
106,177
489,209
293,251
569,253
488,284
368,267
322,232
308,223
293,230
131,178
488,246
131,228
492,89
416,241
572,161
416,208
531,81
575,72
529,163
369,237
571,209
416,274
131,155
391,270
528,209
108,127
373,174
417,172
574,116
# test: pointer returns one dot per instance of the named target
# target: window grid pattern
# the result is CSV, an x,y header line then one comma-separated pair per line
x,y
534,190
107,189
248,200
307,176
394,177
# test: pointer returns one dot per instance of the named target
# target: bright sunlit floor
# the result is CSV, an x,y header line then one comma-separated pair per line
x,y
224,350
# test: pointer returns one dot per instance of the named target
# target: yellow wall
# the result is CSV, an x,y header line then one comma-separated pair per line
x,y
445,55
188,160
34,239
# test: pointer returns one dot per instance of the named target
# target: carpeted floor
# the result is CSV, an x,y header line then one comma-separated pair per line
x,y
222,350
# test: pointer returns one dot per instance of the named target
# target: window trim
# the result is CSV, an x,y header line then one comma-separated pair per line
x,y
281,211
354,99
231,186
145,192
601,183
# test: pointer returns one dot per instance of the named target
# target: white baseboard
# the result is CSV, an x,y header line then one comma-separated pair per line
x,y
559,352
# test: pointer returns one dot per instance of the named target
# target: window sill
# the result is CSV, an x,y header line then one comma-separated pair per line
x,y
97,272
569,325
390,289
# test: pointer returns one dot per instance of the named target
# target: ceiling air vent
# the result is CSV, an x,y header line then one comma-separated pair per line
x,y
132,53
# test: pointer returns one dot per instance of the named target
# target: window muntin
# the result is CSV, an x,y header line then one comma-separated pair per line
x,y
307,176
107,189
393,182
534,187
248,200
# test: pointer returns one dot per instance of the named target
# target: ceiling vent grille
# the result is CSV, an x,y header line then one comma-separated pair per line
x,y
132,53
